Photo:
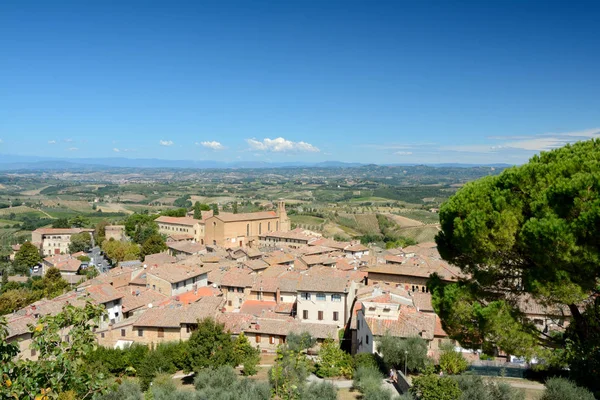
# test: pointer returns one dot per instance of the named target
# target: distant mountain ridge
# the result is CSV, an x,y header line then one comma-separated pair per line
x,y
14,162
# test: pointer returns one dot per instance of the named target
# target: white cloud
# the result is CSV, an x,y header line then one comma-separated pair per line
x,y
72,149
68,140
545,141
403,153
51,141
214,145
281,145
166,143
1,141
116,150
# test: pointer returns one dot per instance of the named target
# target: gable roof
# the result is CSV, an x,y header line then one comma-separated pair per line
x,y
174,273
187,221
231,217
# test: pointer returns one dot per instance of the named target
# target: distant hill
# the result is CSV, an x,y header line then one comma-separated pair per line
x,y
15,162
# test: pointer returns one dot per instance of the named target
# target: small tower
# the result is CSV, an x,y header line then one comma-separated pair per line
x,y
284,221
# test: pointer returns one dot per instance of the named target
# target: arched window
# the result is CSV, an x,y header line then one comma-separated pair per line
x,y
248,230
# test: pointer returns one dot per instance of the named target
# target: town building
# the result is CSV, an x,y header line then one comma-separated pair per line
x,y
181,228
52,241
116,232
240,230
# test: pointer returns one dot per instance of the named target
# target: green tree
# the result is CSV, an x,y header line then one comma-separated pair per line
x,y
235,207
560,389
59,367
121,251
209,346
299,342
153,245
127,390
215,209
288,376
79,221
333,361
140,227
61,223
27,256
245,354
433,387
222,383
451,361
100,231
396,351
80,242
528,233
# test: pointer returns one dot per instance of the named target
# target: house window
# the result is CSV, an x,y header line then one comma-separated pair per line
x,y
140,332
257,338
336,315
321,297
230,289
161,332
122,332
247,229
272,340
240,290
260,228
358,324
305,296
229,303
320,315
102,335
240,300
269,227
305,314
336,297
367,339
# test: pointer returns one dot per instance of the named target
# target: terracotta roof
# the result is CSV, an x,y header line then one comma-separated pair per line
x,y
230,217
139,298
324,242
187,247
284,308
238,278
65,263
319,282
419,266
195,295
174,273
294,235
392,259
314,250
103,293
438,330
173,315
356,248
160,258
235,322
73,279
409,323
319,260
257,307
177,220
422,301
278,257
256,265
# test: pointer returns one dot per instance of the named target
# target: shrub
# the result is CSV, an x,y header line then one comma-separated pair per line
x,y
564,389
393,351
451,361
367,360
128,390
475,387
367,379
334,361
319,391
434,387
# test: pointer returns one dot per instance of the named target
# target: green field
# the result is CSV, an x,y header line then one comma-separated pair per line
x,y
420,234
423,216
306,220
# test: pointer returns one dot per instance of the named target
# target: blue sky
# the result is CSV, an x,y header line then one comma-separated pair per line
x,y
313,80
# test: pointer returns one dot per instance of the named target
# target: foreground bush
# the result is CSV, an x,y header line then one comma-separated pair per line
x,y
474,387
564,389
319,391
